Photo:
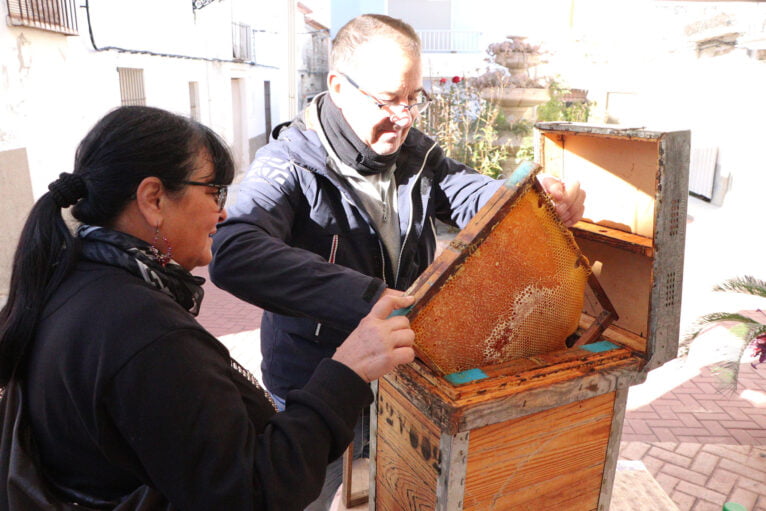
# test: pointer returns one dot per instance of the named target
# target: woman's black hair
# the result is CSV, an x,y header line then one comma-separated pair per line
x,y
126,146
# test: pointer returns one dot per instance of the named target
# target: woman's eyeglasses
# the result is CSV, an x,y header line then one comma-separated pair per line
x,y
419,106
221,191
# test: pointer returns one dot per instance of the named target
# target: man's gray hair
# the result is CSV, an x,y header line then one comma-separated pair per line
x,y
368,26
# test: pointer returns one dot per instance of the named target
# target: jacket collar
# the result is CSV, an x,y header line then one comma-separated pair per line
x,y
313,156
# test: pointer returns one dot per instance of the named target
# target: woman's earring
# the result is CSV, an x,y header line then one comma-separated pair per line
x,y
161,258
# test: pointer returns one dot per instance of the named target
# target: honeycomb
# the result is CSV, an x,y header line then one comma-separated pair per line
x,y
519,293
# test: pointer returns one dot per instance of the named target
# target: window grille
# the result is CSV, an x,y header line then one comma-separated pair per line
x,y
52,15
131,86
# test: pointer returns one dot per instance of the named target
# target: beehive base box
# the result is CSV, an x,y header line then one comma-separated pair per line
x,y
544,431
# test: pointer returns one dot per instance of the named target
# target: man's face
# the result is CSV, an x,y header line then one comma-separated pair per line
x,y
386,72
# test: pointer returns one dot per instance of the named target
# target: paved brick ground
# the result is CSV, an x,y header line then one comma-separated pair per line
x,y
224,314
704,447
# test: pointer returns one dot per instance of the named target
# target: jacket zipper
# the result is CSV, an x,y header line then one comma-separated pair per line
x,y
383,261
412,214
331,259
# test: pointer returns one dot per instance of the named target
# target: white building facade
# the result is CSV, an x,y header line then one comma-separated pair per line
x,y
230,64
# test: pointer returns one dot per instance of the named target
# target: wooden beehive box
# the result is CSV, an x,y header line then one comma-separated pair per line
x,y
543,431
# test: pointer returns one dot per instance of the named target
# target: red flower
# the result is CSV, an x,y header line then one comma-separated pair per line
x,y
455,79
443,81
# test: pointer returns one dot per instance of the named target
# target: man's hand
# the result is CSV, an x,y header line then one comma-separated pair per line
x,y
568,198
381,341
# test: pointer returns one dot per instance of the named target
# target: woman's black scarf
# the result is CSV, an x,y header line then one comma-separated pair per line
x,y
346,144
115,248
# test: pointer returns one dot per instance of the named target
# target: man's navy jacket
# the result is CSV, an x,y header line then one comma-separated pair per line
x,y
298,244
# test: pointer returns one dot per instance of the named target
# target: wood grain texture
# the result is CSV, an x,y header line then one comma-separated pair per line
x,y
618,336
374,386
451,483
670,239
529,462
613,448
520,388
618,174
627,279
407,456
614,237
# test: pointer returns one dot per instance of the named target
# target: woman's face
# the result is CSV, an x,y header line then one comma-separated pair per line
x,y
191,217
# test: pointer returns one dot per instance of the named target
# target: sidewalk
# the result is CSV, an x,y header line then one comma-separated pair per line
x,y
704,448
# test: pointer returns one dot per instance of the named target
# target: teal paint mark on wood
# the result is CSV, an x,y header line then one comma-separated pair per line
x,y
601,346
522,172
466,376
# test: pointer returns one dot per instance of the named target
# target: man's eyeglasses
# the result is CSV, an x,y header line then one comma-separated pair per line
x,y
221,191
418,107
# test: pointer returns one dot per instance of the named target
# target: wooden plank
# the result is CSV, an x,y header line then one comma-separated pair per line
x,y
528,462
562,128
613,448
374,386
355,484
605,318
384,501
451,483
619,175
497,400
618,336
614,237
514,376
636,490
670,239
407,455
560,493
627,280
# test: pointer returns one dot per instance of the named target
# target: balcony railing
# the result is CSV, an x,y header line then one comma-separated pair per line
x,y
450,41
52,15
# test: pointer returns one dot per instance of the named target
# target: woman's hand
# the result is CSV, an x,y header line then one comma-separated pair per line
x,y
381,341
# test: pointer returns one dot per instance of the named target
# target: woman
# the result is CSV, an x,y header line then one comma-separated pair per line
x,y
129,401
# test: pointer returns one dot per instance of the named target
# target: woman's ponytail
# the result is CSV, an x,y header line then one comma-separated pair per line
x,y
45,254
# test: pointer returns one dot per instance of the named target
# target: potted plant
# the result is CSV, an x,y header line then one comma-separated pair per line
x,y
751,332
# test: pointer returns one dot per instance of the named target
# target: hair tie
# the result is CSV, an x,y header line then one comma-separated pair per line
x,y
67,189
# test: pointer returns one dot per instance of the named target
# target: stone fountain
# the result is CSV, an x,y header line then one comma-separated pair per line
x,y
516,93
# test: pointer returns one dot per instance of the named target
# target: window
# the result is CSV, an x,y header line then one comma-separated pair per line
x,y
131,86
53,15
242,42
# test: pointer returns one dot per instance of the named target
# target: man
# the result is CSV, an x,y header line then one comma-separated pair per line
x,y
340,209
